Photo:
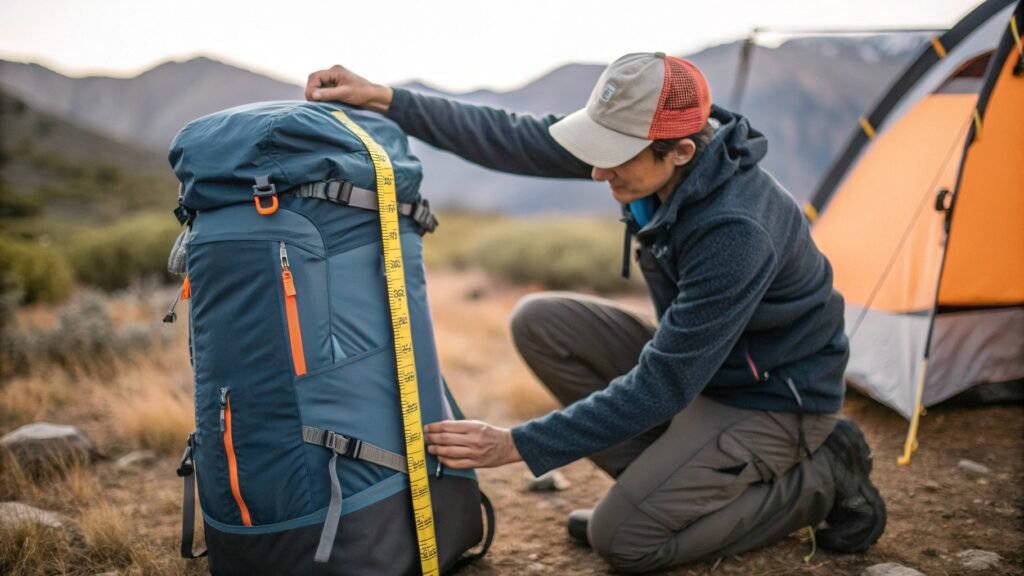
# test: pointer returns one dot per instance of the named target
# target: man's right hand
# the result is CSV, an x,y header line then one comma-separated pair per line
x,y
338,83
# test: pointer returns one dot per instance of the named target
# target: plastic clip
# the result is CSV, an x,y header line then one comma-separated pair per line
x,y
264,189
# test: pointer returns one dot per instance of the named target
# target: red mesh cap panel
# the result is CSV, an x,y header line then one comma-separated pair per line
x,y
685,102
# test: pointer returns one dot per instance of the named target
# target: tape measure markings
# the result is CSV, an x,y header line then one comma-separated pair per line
x,y
405,360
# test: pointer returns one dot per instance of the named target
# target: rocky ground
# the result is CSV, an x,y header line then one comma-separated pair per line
x,y
939,507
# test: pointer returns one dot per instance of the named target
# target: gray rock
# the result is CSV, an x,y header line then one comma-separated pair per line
x,y
15,514
549,482
978,559
137,459
41,444
973,467
890,569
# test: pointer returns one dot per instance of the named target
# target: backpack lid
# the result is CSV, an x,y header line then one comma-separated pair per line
x,y
218,157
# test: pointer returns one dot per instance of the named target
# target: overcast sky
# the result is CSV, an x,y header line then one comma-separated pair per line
x,y
457,45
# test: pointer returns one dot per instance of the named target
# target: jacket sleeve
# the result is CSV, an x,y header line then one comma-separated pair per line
x,y
723,275
492,138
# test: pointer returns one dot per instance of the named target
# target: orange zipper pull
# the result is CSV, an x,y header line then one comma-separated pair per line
x,y
292,311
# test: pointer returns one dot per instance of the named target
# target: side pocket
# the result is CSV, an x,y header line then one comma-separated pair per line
x,y
229,449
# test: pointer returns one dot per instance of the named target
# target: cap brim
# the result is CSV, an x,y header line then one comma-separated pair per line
x,y
593,143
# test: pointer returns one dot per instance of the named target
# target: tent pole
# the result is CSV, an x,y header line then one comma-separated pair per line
x,y
910,446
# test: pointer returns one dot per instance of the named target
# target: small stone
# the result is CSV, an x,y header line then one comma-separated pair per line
x,y
137,459
973,467
979,559
43,444
533,556
537,567
890,569
982,481
15,514
549,482
976,501
931,486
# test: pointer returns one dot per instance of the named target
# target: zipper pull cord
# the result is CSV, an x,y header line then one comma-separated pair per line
x,y
171,315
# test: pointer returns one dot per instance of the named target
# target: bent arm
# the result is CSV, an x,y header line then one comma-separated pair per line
x,y
492,138
724,276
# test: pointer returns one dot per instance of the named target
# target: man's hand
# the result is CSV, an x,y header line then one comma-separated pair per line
x,y
471,444
340,84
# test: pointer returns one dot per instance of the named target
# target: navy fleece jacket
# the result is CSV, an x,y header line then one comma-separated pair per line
x,y
746,309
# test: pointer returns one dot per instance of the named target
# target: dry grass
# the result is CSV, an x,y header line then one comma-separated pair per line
x,y
108,536
155,415
30,548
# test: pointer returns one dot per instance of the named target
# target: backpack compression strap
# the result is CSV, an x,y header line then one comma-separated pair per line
x,y
344,193
186,470
349,447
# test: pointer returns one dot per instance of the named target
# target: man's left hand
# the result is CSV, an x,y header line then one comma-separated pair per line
x,y
471,444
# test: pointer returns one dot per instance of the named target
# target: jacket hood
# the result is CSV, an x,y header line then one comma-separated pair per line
x,y
735,146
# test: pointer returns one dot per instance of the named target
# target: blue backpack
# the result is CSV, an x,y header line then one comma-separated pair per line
x,y
299,452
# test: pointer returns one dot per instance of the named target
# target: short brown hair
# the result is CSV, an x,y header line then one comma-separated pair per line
x,y
700,140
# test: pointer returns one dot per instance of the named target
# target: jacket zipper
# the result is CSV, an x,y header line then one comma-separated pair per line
x,y
292,310
229,449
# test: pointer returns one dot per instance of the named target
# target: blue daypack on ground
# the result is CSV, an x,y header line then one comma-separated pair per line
x,y
292,349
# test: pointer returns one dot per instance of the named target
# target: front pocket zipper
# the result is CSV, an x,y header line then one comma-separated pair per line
x,y
291,308
229,449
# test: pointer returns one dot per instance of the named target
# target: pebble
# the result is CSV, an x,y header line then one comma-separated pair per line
x,y
14,514
973,467
137,459
978,559
931,486
549,482
890,569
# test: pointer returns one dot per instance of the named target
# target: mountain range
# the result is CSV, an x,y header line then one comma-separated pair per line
x,y
805,95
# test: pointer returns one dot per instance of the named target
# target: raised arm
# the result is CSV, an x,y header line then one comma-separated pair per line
x,y
492,138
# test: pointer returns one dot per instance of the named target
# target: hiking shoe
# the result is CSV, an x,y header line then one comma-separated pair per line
x,y
577,525
858,515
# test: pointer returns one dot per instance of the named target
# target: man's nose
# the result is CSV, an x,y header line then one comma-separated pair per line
x,y
602,174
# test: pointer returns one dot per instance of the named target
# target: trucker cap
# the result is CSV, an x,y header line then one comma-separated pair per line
x,y
639,98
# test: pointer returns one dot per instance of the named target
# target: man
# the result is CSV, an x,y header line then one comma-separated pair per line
x,y
719,423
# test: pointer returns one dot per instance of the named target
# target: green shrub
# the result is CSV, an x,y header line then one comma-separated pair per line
x,y
557,254
126,252
554,253
36,272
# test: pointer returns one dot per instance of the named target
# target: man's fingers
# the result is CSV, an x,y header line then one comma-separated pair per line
x,y
459,463
471,452
449,439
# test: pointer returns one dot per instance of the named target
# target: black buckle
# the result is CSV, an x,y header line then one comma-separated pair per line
x,y
264,187
422,215
185,468
339,191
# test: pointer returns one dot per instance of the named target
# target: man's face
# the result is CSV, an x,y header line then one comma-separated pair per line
x,y
644,174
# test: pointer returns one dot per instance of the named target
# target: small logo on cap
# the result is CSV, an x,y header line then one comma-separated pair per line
x,y
606,94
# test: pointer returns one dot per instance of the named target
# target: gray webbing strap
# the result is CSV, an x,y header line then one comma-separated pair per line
x,y
354,448
323,550
344,193
349,447
186,470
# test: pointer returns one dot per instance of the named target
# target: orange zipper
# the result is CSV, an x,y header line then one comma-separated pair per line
x,y
291,308
229,449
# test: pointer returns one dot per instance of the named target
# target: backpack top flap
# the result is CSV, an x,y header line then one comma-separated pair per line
x,y
218,157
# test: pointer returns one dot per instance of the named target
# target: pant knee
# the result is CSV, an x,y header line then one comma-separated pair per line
x,y
530,313
612,532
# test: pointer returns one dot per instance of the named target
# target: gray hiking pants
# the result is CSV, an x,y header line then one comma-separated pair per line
x,y
714,481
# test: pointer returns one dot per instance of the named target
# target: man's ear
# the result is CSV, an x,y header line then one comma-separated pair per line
x,y
683,152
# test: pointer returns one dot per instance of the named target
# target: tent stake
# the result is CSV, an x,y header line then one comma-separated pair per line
x,y
910,446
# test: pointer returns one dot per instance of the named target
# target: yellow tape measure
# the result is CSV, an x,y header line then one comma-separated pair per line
x,y
408,386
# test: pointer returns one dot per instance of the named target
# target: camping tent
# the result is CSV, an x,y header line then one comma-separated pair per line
x,y
922,218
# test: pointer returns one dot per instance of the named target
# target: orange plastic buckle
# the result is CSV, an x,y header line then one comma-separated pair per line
x,y
265,210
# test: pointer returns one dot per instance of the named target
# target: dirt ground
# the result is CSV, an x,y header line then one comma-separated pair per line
x,y
935,509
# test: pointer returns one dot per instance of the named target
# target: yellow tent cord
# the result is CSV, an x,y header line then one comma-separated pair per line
x,y
938,47
811,212
867,127
910,446
977,125
1016,35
